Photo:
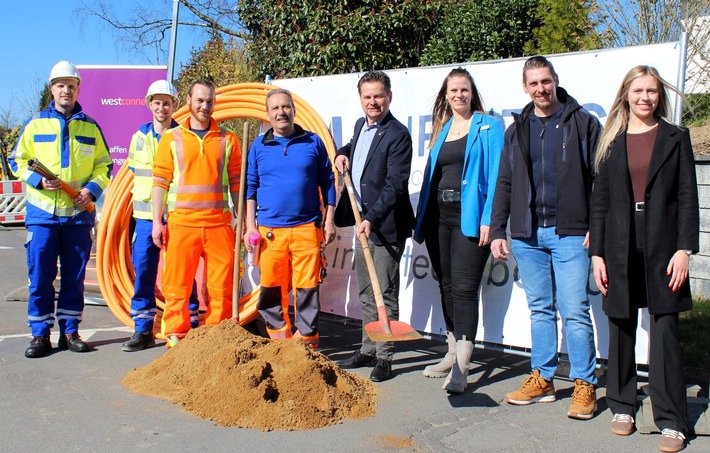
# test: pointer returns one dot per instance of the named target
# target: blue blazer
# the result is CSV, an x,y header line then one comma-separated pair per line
x,y
480,172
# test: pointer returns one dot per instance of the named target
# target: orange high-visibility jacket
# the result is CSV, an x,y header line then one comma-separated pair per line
x,y
198,173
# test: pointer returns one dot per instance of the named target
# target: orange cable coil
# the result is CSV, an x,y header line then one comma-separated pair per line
x,y
113,244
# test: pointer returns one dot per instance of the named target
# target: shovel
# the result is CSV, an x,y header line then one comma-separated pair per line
x,y
384,329
240,219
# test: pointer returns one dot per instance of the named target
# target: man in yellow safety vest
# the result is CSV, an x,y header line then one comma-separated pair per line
x,y
71,145
161,99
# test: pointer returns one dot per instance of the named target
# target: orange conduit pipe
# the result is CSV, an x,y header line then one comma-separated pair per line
x,y
113,244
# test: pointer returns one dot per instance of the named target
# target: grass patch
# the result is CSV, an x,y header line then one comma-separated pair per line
x,y
694,327
696,111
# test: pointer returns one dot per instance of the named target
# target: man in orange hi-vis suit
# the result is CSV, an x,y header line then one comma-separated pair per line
x,y
197,164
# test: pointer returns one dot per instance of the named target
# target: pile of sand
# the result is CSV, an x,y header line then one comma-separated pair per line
x,y
234,378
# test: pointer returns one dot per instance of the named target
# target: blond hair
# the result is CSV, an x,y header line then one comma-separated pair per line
x,y
618,119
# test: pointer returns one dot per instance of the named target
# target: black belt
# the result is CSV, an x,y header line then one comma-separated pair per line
x,y
640,207
448,195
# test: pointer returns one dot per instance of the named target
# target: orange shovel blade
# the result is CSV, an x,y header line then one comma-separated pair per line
x,y
401,331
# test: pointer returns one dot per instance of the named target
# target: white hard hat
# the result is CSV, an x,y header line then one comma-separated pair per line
x,y
161,87
64,69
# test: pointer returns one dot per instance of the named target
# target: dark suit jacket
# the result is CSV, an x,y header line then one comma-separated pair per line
x,y
384,186
671,220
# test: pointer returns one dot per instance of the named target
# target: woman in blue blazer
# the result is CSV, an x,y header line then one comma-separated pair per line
x,y
454,212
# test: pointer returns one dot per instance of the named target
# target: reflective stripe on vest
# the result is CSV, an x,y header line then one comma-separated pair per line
x,y
141,157
178,192
89,160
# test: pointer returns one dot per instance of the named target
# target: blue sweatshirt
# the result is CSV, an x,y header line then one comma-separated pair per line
x,y
288,181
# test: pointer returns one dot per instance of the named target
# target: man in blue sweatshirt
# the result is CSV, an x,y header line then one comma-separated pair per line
x,y
288,174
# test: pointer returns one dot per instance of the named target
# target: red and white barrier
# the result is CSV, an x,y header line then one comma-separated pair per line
x,y
12,202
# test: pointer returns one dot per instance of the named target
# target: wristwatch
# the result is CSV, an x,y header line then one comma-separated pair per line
x,y
688,252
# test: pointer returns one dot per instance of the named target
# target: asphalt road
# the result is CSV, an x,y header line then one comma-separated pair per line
x,y
74,402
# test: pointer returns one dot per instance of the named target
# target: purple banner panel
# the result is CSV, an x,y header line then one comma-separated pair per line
x,y
115,97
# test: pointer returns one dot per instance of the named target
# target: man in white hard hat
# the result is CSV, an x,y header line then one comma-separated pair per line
x,y
161,99
71,145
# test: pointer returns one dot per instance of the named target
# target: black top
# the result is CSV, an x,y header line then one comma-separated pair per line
x,y
449,165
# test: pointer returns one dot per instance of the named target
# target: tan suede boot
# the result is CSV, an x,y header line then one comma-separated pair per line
x,y
442,368
459,372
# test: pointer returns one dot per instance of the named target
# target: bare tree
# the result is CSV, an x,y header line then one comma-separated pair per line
x,y
8,118
146,28
638,22
34,98
698,73
21,105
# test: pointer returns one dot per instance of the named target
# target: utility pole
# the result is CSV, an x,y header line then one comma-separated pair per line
x,y
173,40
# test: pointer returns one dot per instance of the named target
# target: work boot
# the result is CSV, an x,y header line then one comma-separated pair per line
x,y
459,371
442,368
73,342
39,347
584,401
534,389
139,341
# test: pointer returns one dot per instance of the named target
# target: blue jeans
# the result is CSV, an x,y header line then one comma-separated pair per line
x,y
554,271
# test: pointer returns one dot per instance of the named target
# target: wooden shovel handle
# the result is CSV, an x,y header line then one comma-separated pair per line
x,y
374,281
240,217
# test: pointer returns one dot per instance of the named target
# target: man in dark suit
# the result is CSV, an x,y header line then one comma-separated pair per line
x,y
379,157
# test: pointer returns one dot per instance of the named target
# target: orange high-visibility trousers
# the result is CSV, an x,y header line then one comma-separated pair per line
x,y
185,246
295,250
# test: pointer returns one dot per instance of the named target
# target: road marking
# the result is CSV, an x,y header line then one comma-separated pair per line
x,y
86,334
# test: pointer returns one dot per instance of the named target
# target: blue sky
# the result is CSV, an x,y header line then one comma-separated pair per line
x,y
38,33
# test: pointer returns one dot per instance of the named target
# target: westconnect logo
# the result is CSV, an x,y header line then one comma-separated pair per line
x,y
122,101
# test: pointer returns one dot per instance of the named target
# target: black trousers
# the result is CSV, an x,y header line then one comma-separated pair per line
x,y
458,262
665,373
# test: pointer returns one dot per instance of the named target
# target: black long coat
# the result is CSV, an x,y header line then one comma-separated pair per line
x,y
671,221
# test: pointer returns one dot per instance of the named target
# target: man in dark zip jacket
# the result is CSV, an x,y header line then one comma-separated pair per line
x,y
544,186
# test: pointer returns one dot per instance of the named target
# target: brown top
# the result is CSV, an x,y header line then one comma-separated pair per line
x,y
639,148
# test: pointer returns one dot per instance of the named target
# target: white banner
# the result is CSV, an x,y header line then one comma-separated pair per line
x,y
592,78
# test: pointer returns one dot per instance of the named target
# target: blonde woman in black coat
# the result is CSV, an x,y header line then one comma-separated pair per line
x,y
644,226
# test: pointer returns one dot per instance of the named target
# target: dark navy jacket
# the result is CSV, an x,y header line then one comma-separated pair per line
x,y
575,160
